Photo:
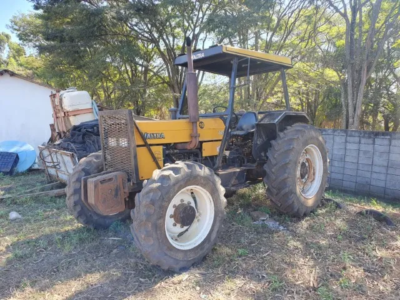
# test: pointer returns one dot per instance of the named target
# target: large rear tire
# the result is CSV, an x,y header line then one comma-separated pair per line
x,y
178,214
92,164
297,170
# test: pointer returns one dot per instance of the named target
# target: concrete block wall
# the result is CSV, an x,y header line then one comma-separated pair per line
x,y
364,162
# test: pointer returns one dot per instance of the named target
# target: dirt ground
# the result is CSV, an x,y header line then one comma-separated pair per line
x,y
331,254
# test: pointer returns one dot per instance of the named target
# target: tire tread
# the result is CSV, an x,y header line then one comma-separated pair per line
x,y
277,175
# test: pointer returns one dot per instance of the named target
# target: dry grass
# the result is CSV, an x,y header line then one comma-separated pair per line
x,y
332,254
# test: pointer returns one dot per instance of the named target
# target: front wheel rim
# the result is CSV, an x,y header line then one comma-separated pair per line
x,y
310,171
193,199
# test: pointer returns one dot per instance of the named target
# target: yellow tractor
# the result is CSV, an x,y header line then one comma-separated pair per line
x,y
172,176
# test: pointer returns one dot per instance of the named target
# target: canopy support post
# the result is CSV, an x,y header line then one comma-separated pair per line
x,y
230,109
285,89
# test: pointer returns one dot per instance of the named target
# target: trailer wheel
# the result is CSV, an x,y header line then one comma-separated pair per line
x,y
297,170
178,214
89,165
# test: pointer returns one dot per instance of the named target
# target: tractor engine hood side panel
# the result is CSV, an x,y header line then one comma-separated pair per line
x,y
178,131
123,147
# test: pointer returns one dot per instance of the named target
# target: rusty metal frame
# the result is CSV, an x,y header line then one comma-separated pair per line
x,y
58,166
77,112
60,115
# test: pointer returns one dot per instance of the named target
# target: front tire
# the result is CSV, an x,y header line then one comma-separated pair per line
x,y
92,164
171,239
297,170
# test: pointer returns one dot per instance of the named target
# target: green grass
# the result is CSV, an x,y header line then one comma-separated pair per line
x,y
363,200
117,227
275,283
265,209
346,257
324,293
240,217
242,252
48,254
69,240
5,180
345,283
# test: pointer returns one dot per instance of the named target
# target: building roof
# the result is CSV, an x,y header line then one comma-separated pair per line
x,y
217,59
13,74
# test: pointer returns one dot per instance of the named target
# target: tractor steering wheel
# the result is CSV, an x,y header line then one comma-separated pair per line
x,y
235,119
219,106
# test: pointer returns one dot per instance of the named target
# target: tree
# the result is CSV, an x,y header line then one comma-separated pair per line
x,y
4,40
119,50
345,53
279,27
164,25
368,26
89,48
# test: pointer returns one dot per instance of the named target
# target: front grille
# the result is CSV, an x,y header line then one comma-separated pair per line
x,y
116,129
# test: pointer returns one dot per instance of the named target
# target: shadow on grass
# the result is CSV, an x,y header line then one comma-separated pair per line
x,y
76,257
332,254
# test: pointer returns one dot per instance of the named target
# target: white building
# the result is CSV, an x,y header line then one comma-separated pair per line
x,y
25,109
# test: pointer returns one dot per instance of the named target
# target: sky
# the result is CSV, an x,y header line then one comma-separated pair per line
x,y
9,8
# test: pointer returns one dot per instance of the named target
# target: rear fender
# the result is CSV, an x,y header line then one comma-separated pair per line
x,y
268,127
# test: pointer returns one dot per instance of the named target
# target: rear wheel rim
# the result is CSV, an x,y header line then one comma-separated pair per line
x,y
309,171
180,234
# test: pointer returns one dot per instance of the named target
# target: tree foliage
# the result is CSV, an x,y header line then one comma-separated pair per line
x,y
346,53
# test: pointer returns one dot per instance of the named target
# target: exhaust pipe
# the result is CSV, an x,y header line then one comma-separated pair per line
x,y
192,98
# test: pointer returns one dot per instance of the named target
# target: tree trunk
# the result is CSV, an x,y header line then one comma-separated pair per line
x,y
396,119
386,120
344,104
374,120
360,95
360,54
396,124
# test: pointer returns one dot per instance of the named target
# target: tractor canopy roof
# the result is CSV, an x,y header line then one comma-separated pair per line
x,y
217,60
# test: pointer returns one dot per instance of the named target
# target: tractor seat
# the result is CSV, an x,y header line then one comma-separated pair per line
x,y
246,124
